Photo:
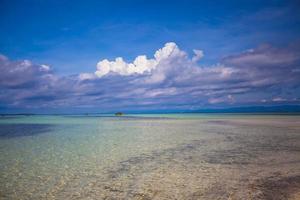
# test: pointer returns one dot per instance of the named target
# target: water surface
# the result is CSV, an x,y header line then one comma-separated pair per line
x,y
171,156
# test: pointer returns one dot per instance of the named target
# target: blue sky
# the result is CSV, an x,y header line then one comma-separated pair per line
x,y
64,41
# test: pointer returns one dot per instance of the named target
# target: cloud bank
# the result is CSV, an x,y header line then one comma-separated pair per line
x,y
170,80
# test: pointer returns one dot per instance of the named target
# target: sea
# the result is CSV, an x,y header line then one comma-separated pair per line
x,y
150,156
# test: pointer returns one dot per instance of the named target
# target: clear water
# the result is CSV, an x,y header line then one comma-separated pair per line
x,y
171,156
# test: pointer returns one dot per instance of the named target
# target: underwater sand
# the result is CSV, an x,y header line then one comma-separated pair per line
x,y
177,156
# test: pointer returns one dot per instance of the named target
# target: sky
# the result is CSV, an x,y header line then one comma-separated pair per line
x,y
135,56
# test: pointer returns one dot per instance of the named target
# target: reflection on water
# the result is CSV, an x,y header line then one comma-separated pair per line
x,y
174,157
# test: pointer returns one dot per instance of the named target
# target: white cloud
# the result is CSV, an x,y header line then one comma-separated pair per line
x,y
228,99
44,68
278,99
140,65
86,76
198,55
21,73
143,65
170,50
170,79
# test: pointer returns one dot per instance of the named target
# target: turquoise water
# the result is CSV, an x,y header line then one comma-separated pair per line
x,y
135,156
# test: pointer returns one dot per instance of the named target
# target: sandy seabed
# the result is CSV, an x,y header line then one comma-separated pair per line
x,y
236,158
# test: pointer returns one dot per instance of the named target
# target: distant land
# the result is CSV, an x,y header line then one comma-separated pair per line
x,y
256,109
282,109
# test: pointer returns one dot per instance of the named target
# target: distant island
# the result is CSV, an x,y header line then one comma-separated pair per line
x,y
119,114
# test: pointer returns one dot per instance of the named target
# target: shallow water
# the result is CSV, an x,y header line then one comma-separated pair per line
x,y
174,156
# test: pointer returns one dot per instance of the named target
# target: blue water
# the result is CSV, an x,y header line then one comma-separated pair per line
x,y
80,157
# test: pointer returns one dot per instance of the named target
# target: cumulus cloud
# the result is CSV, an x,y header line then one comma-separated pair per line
x,y
198,55
173,76
23,83
267,65
141,64
86,76
171,79
21,73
